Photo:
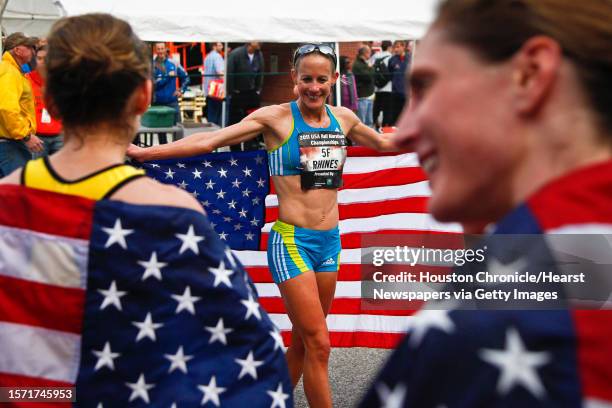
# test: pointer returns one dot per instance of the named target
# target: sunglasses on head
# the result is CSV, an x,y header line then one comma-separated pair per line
x,y
310,48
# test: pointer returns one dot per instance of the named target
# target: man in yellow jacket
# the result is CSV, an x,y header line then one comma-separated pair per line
x,y
17,112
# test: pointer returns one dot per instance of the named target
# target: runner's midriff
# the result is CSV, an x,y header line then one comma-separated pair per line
x,y
313,209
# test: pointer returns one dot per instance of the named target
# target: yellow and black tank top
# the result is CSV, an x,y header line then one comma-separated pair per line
x,y
96,186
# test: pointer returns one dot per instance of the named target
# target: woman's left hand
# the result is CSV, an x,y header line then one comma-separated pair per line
x,y
136,152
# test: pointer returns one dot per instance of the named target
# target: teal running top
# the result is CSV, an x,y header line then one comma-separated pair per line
x,y
317,154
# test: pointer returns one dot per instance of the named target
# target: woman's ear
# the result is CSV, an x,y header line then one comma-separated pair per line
x,y
142,97
534,73
335,77
294,76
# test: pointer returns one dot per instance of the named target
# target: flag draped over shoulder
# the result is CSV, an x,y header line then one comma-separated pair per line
x,y
131,304
556,356
383,194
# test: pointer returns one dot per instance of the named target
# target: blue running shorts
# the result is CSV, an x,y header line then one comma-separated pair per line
x,y
293,250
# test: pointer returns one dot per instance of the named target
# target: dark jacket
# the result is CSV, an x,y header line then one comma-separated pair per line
x,y
238,63
364,78
398,68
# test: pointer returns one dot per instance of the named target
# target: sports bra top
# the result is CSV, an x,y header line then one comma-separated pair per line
x,y
316,154
96,186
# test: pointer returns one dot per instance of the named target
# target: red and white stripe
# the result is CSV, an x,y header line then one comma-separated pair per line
x,y
383,194
43,269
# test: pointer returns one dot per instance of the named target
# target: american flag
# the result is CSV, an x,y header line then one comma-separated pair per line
x,y
518,358
383,194
230,187
134,305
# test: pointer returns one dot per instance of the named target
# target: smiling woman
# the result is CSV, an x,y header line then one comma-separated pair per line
x,y
511,117
306,141
483,98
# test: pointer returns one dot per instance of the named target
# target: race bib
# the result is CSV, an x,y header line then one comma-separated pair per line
x,y
322,157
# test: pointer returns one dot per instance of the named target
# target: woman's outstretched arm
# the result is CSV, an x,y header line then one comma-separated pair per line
x,y
365,135
204,142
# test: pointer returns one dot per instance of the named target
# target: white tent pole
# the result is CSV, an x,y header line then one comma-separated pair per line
x,y
224,86
3,4
338,83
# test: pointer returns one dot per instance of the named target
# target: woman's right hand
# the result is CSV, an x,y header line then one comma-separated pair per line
x,y
136,152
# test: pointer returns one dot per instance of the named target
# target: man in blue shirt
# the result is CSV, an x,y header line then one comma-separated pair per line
x,y
214,67
398,65
164,78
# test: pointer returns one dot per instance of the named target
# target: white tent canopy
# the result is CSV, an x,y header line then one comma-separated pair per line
x,y
33,17
243,20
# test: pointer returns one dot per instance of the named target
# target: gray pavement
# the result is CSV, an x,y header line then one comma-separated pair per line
x,y
351,371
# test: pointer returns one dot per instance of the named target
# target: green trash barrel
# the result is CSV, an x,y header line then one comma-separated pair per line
x,y
157,117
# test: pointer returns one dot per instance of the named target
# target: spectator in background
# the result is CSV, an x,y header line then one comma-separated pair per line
x,y
348,91
17,113
383,98
31,64
165,73
364,79
214,67
245,66
47,128
398,65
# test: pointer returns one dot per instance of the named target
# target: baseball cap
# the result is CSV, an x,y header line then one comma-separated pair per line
x,y
17,39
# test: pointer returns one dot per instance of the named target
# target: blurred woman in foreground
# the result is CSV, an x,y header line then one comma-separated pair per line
x,y
156,299
511,117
